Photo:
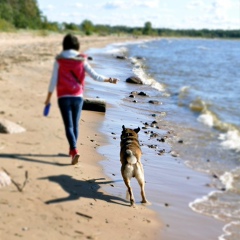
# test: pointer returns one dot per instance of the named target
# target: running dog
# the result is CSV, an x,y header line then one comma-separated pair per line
x,y
130,157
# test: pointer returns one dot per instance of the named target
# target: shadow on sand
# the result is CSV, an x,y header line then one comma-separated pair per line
x,y
32,158
75,188
82,188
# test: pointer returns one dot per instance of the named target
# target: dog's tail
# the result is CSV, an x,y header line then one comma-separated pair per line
x,y
130,157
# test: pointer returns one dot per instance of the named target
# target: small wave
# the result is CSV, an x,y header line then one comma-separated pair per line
x,y
138,69
220,206
202,48
227,179
143,46
206,119
184,91
231,231
183,96
205,204
108,50
116,50
198,105
231,140
223,205
231,180
230,134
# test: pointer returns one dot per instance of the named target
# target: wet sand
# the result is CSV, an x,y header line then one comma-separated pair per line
x,y
59,201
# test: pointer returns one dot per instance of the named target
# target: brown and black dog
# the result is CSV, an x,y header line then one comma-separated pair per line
x,y
130,157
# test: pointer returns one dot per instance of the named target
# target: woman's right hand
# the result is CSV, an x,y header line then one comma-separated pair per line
x,y
113,80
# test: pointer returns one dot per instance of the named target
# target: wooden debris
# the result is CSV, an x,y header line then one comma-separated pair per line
x,y
83,215
93,104
19,188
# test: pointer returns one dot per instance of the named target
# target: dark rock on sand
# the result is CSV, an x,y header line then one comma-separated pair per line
x,y
153,101
134,80
154,135
143,94
139,58
121,57
161,139
152,146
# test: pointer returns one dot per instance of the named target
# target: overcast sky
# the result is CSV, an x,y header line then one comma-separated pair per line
x,y
176,14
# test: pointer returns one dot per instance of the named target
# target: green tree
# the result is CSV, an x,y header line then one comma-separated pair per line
x,y
71,26
87,27
6,12
147,29
21,13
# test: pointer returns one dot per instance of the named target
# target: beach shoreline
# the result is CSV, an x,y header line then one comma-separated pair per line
x,y
171,185
59,201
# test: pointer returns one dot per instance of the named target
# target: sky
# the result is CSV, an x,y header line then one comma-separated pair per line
x,y
174,14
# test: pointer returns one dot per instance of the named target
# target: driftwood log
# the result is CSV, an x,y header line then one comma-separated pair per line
x,y
94,104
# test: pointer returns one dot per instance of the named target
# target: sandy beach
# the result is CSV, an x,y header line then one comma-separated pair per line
x,y
59,201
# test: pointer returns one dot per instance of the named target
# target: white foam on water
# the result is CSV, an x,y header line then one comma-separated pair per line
x,y
227,179
139,71
231,140
195,205
203,48
206,119
220,204
110,49
231,231
183,90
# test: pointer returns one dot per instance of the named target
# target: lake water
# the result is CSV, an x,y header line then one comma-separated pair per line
x,y
196,84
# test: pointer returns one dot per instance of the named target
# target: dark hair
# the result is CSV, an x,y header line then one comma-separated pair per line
x,y
70,42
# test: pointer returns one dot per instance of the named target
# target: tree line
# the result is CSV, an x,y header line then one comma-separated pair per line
x,y
25,14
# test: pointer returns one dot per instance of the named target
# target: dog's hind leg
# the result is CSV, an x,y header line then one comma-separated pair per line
x,y
139,175
127,183
141,183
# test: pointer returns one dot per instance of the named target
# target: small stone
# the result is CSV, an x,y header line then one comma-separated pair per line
x,y
134,80
174,154
153,101
143,94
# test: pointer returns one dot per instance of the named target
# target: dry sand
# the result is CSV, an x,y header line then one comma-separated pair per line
x,y
59,201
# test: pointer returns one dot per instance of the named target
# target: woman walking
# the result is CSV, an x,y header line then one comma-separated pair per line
x,y
68,78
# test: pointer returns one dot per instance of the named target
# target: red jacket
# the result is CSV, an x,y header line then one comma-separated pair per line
x,y
71,75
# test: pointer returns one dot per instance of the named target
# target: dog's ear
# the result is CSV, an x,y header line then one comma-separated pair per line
x,y
123,127
136,130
